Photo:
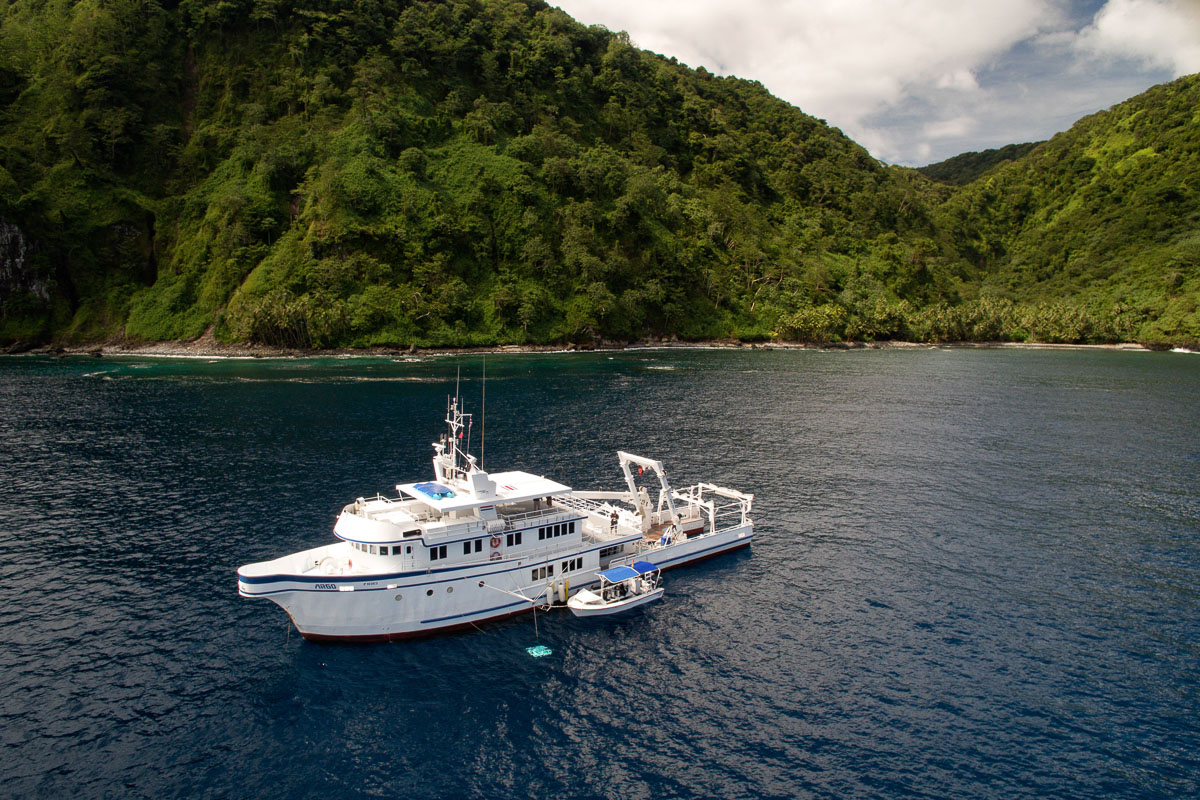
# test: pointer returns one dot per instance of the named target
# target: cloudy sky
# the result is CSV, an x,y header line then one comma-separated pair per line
x,y
918,81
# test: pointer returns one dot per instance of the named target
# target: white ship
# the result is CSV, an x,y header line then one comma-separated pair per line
x,y
470,546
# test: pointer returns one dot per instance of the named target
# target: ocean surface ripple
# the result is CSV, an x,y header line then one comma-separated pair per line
x,y
975,573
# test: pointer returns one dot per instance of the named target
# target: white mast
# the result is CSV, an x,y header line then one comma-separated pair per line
x,y
451,461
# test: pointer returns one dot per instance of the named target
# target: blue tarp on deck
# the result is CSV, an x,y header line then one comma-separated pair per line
x,y
434,490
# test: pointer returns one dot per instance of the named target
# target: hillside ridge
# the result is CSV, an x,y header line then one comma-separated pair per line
x,y
474,172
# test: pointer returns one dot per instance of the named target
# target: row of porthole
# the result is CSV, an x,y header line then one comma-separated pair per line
x,y
428,593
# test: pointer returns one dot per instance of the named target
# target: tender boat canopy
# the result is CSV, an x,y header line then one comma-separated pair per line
x,y
618,574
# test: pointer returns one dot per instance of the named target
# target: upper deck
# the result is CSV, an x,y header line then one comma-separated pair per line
x,y
479,489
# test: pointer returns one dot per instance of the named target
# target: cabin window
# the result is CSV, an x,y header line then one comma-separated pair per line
x,y
374,550
408,550
478,545
541,534
610,551
466,548
514,539
437,553
572,564
572,527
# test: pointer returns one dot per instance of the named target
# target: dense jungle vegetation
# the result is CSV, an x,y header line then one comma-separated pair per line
x,y
391,172
962,169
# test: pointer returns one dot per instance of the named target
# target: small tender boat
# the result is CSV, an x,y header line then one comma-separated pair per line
x,y
621,588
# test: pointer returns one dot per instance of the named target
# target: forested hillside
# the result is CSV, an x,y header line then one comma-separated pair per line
x,y
966,167
1105,217
380,172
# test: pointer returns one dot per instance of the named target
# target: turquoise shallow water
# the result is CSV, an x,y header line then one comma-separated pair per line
x,y
975,574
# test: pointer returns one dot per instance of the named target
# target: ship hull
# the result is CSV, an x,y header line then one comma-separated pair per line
x,y
388,607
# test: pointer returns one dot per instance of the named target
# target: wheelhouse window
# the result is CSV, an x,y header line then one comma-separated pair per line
x,y
437,553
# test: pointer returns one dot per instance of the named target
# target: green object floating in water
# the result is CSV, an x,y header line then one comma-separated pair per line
x,y
538,651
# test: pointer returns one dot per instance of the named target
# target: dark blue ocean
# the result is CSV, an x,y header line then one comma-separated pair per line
x,y
976,573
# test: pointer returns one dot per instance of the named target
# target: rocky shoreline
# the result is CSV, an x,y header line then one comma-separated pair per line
x,y
208,347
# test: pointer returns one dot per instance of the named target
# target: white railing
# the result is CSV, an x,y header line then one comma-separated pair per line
x,y
722,516
584,505
551,515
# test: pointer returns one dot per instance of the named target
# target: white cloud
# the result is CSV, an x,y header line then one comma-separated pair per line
x,y
959,79
1161,33
833,58
950,128
915,79
841,60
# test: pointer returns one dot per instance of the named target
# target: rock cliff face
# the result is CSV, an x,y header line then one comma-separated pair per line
x,y
15,250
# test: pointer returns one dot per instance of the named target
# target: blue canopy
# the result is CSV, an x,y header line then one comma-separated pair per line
x,y
618,574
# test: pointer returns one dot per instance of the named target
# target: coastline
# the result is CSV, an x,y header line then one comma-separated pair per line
x,y
208,347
